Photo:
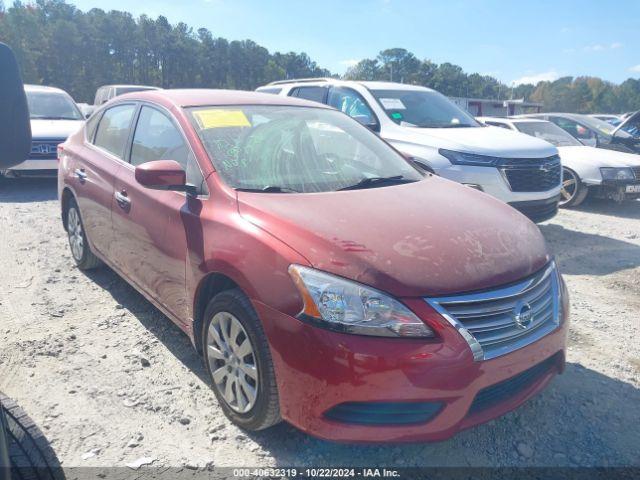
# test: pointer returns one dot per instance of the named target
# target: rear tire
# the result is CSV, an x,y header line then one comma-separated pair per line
x,y
573,191
80,249
30,455
237,357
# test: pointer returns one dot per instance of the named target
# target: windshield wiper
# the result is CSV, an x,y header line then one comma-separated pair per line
x,y
373,181
269,189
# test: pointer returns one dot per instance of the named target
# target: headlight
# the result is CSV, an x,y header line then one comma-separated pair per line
x,y
349,307
462,158
609,173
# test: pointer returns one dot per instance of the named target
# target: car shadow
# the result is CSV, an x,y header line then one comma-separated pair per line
x,y
627,209
579,253
584,418
156,322
27,190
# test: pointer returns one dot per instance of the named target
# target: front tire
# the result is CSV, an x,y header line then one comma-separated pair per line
x,y
573,191
80,249
238,360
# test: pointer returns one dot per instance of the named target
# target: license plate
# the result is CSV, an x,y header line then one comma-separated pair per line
x,y
633,189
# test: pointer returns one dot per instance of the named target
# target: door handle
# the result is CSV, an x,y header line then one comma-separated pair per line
x,y
122,199
81,174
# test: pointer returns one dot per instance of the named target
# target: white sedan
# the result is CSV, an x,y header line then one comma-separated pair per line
x,y
603,173
54,116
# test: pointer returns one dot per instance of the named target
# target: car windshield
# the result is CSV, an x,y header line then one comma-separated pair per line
x,y
423,109
296,149
548,131
52,106
596,124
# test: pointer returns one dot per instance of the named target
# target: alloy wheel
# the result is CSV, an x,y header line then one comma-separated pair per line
x,y
74,230
569,186
232,362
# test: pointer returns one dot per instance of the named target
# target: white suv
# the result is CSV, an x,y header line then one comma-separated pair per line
x,y
421,123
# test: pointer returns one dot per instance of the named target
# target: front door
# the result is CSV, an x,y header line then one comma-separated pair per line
x,y
149,232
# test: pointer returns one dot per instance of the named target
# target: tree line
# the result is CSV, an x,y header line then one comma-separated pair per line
x,y
58,44
566,94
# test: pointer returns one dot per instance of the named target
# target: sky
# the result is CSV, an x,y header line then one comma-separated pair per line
x,y
514,41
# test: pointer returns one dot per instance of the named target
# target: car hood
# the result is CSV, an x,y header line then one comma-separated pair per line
x,y
597,157
427,238
491,141
54,129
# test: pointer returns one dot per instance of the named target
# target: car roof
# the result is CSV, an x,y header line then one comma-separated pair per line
x,y
43,88
371,85
207,97
394,86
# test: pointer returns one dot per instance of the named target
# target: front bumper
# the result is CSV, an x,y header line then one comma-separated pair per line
x,y
617,190
317,370
491,180
538,210
33,165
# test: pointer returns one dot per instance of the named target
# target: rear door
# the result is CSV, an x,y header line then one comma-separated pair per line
x,y
94,172
149,228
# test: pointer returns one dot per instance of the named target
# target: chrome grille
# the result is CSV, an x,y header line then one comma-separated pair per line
x,y
502,320
636,172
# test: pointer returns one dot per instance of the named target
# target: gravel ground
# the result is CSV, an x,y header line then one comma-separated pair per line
x,y
110,380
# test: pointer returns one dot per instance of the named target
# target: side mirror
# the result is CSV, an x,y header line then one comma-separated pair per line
x,y
367,121
15,127
164,175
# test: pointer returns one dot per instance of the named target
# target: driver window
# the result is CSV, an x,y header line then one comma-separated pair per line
x,y
350,102
573,128
157,138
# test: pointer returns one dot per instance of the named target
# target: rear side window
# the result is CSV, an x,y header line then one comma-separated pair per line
x,y
157,138
113,129
99,95
315,94
90,127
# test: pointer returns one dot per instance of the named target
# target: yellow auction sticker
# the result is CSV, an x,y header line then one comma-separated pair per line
x,y
219,118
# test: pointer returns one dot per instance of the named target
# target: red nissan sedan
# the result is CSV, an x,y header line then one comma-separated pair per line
x,y
323,278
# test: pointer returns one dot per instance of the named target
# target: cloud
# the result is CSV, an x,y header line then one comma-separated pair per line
x,y
594,48
533,79
350,63
598,47
635,68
